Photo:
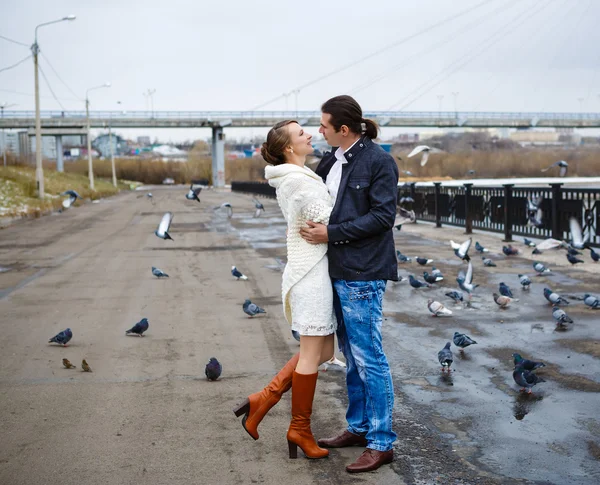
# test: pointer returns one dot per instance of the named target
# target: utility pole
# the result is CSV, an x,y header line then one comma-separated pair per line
x,y
150,94
89,138
455,95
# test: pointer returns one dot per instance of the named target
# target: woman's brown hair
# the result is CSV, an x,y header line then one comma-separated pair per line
x,y
344,110
278,139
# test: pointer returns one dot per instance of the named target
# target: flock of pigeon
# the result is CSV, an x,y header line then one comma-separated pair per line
x,y
523,373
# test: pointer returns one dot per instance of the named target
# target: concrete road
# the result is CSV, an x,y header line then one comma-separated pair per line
x,y
146,414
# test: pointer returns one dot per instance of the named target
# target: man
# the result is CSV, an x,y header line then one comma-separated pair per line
x,y
363,179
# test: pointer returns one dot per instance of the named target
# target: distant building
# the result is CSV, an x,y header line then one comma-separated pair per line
x,y
119,145
48,147
144,141
9,143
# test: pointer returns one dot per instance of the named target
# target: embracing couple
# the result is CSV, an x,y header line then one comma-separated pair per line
x,y
341,253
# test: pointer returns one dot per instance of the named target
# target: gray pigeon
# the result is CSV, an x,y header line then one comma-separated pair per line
x,y
505,290
213,369
562,319
139,328
462,250
251,309
488,262
159,273
462,340
525,363
465,281
163,228
416,284
554,298
227,208
445,357
540,267
431,278
591,301
564,166
62,338
456,296
193,193
526,379
259,207
296,335
525,281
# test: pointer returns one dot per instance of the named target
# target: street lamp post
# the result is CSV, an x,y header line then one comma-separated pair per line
x,y
89,141
2,107
440,97
112,152
39,169
455,95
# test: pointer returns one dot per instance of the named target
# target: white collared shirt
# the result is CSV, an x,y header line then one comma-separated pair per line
x,y
334,176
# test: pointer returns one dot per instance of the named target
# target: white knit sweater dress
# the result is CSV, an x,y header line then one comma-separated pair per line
x,y
306,289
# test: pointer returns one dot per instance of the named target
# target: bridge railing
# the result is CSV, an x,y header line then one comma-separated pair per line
x,y
254,188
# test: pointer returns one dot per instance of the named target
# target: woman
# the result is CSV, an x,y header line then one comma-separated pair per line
x,y
306,288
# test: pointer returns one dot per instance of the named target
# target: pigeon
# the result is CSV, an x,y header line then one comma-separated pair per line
x,y
488,262
68,364
574,260
404,216
554,298
333,361
462,340
193,193
430,278
407,172
525,281
529,243
509,250
471,172
213,369
534,212
259,207
423,261
251,309
436,272
591,301
564,166
595,256
503,301
406,200
421,149
235,272
438,309
139,328
163,227
62,338
577,241
526,379
150,197
462,250
226,206
561,317
159,273
415,283
445,357
72,193
505,290
402,258
85,366
455,296
540,268
480,249
536,251
465,281
296,335
573,252
525,363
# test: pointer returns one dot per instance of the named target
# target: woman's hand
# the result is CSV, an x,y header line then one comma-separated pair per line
x,y
315,233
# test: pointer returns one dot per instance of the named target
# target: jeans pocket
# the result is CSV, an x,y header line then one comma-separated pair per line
x,y
360,286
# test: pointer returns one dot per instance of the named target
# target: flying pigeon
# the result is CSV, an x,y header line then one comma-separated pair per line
x,y
163,227
503,301
591,301
564,166
406,200
72,193
226,206
577,241
407,172
159,273
465,281
213,369
415,283
445,357
526,379
85,366
505,290
421,149
534,211
68,364
561,317
595,256
402,258
574,260
404,216
488,262
251,309
259,207
430,278
480,249
462,250
529,243
423,261
296,335
462,340
525,363
139,328
193,193
333,361
540,268
525,281
509,250
455,296
554,298
438,309
235,272
73,196
62,338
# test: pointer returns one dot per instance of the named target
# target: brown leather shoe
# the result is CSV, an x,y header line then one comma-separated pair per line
x,y
370,460
341,441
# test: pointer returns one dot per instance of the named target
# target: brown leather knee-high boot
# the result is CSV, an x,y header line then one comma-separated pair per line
x,y
299,433
257,405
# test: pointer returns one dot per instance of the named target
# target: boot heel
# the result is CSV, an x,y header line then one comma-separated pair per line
x,y
293,448
243,408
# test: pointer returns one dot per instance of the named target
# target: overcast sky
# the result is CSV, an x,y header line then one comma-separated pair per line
x,y
502,55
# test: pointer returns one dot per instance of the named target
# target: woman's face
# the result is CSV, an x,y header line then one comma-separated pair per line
x,y
300,140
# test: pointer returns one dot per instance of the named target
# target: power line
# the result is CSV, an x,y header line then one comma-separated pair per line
x,y
21,93
377,52
13,41
15,65
456,65
50,88
60,79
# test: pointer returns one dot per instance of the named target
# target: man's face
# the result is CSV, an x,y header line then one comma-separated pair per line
x,y
334,138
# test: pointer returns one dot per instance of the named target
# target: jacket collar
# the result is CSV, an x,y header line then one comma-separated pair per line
x,y
362,143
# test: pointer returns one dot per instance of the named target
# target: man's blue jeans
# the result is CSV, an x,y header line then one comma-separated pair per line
x,y
358,306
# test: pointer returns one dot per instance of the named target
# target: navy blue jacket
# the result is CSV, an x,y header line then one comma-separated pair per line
x,y
361,243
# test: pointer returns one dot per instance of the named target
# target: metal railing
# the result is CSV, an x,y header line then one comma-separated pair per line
x,y
254,188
